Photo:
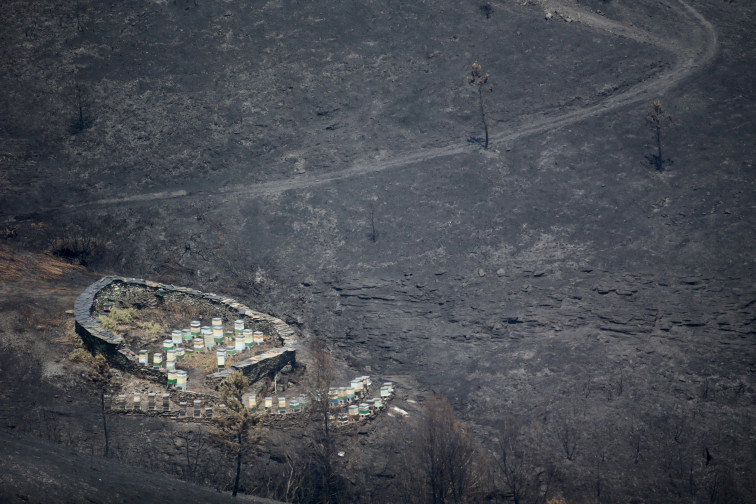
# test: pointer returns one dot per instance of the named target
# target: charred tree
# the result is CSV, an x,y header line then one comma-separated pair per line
x,y
444,458
478,80
322,378
657,118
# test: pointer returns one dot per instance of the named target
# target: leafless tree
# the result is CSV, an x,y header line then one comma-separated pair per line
x,y
293,480
79,25
83,120
524,480
444,459
657,117
322,376
478,80
621,383
49,425
104,425
287,481
567,439
635,438
194,444
600,461
373,234
101,374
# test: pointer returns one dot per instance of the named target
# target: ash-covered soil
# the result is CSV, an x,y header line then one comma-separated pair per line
x,y
35,471
316,161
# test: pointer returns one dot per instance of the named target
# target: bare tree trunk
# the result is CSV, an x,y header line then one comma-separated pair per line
x,y
327,471
445,455
322,376
373,235
78,17
80,106
197,455
656,117
105,425
238,464
483,115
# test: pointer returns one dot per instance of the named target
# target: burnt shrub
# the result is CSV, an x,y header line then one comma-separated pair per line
x,y
75,246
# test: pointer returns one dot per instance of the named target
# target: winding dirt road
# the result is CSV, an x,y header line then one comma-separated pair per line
x,y
694,51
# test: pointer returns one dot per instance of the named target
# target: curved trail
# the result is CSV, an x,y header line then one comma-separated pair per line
x,y
692,55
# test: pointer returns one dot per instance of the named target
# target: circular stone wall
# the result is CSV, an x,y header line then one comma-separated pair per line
x,y
119,351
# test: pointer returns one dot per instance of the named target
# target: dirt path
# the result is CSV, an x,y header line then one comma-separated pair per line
x,y
693,53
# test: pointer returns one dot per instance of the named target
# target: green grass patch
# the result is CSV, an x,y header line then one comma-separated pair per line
x,y
117,318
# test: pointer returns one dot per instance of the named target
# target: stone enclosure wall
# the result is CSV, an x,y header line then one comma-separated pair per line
x,y
113,346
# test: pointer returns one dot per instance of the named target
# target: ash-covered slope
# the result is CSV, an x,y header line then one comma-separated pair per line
x,y
36,471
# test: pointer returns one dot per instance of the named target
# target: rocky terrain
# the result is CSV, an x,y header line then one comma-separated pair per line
x,y
318,161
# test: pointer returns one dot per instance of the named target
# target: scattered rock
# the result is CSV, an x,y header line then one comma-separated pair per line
x,y
601,289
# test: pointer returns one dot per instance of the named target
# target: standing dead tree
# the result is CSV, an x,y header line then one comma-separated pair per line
x,y
79,24
657,117
515,470
478,80
519,476
236,429
322,378
83,121
194,444
444,457
293,481
101,375
106,451
373,234
567,439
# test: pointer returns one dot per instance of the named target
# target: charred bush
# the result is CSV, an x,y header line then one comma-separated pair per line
x,y
76,247
10,231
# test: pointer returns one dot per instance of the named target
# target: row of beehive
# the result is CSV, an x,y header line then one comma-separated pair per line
x,y
122,403
338,396
135,402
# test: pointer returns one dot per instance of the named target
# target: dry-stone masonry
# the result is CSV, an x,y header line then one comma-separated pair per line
x,y
115,349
